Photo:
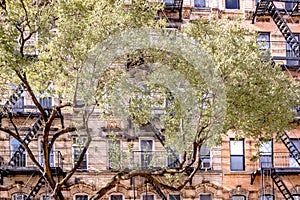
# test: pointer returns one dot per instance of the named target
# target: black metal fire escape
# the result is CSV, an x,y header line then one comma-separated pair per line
x,y
280,185
267,7
291,147
36,188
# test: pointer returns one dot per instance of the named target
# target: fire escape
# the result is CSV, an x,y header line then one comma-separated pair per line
x,y
16,165
268,8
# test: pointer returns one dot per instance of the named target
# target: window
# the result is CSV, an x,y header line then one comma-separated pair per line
x,y
173,159
46,197
238,197
174,197
237,158
81,197
116,197
266,155
114,153
296,196
146,147
290,53
46,102
169,1
20,156
78,145
19,105
148,197
19,197
199,3
263,40
205,197
290,7
232,4
51,156
267,197
205,157
293,162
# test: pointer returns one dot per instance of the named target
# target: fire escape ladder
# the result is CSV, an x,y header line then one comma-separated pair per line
x,y
291,147
158,190
284,28
36,188
14,98
280,185
161,139
27,139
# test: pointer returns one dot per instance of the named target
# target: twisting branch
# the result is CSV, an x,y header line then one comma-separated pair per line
x,y
59,133
28,150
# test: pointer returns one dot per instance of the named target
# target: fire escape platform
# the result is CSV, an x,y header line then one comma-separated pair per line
x,y
29,171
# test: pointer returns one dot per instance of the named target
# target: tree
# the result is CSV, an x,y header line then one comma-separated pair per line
x,y
43,45
258,98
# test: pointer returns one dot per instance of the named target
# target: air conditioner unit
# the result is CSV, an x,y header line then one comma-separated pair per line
x,y
206,164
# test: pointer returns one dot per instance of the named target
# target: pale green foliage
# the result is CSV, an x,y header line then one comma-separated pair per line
x,y
259,98
64,32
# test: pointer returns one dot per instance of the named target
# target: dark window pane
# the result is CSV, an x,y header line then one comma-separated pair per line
x,y
205,197
289,6
148,197
199,3
116,197
81,197
238,197
232,4
237,163
174,196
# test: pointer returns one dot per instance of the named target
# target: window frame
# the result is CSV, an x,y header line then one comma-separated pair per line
x,y
266,195
13,149
146,155
264,44
201,4
84,164
205,157
109,147
292,161
289,52
242,156
23,196
52,153
266,155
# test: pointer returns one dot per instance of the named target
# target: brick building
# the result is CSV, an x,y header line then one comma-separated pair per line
x,y
227,171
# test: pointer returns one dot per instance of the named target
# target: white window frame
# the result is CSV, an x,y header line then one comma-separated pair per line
x,y
76,145
108,150
12,151
140,147
51,152
15,196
